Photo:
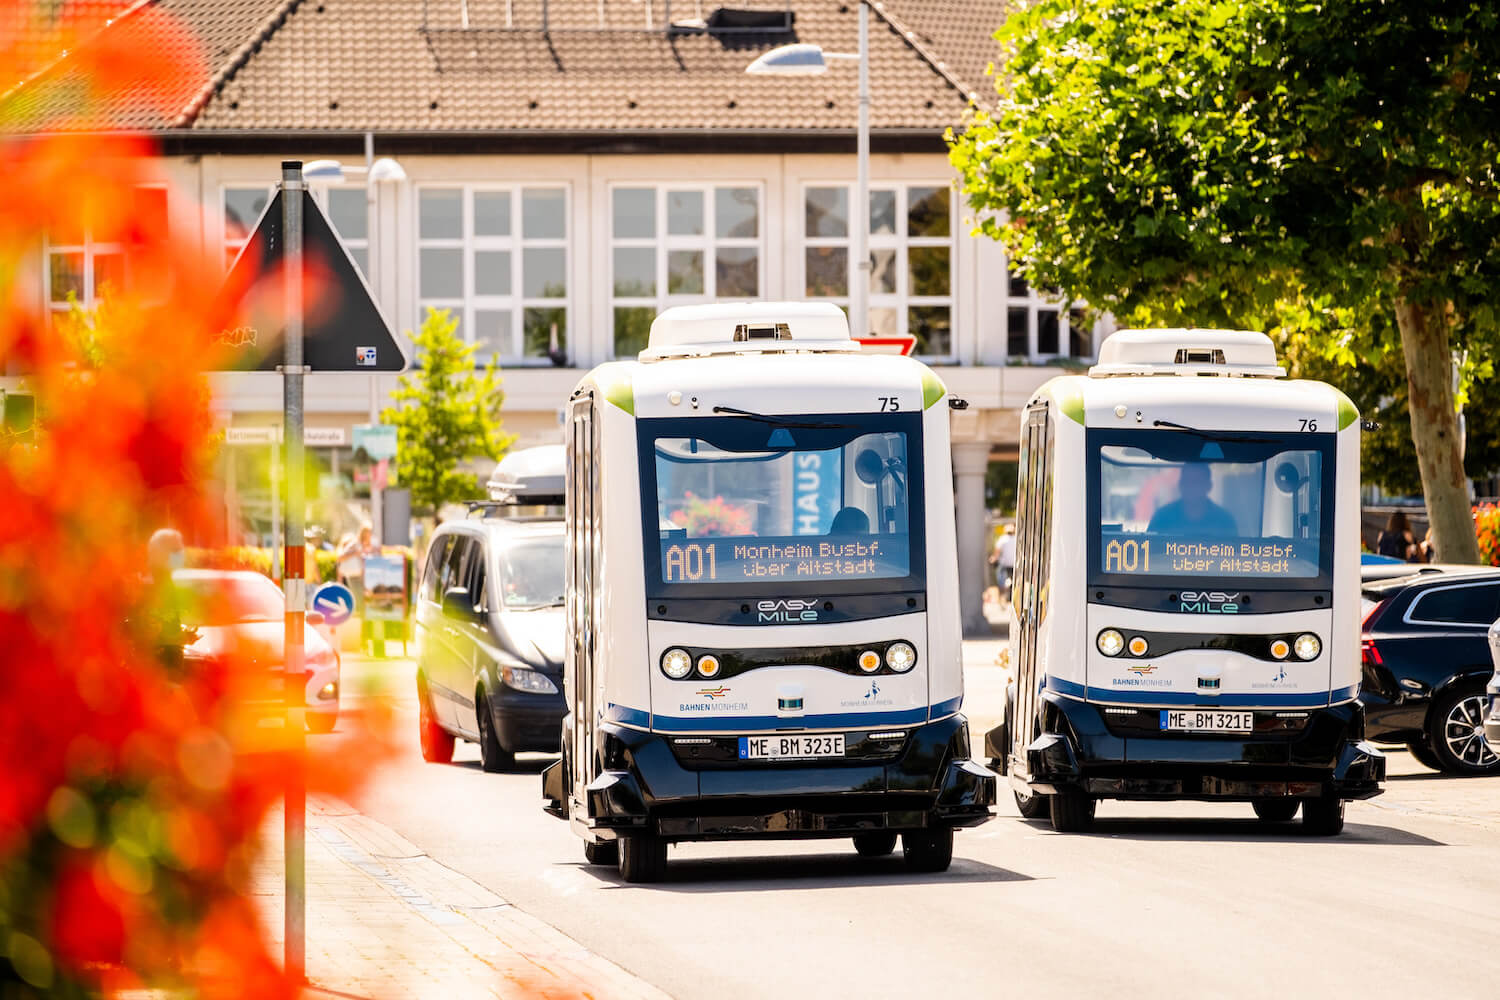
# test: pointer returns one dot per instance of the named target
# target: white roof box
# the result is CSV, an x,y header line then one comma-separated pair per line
x,y
741,327
531,475
1243,353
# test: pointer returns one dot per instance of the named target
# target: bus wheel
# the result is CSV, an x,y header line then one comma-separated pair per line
x,y
492,756
1030,805
874,845
1323,817
643,857
928,850
604,852
1276,810
1072,810
437,743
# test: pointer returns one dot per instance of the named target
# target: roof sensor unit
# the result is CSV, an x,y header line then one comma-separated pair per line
x,y
1200,356
778,331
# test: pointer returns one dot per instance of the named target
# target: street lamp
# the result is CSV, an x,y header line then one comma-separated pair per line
x,y
382,171
803,59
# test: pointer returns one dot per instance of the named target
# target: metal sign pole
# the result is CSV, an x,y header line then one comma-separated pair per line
x,y
294,583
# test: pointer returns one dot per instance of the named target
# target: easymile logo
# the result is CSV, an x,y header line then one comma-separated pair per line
x,y
787,611
1211,602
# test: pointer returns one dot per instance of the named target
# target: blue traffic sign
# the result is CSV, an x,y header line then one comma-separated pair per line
x,y
334,602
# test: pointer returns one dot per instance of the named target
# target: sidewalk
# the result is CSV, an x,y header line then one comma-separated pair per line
x,y
384,921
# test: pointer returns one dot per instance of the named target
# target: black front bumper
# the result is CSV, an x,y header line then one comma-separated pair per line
x,y
526,722
1322,755
652,784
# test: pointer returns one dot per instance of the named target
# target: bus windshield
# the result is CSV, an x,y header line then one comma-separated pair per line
x,y
1196,505
770,500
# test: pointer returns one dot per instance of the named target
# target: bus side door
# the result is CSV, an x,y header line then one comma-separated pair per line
x,y
582,533
1034,521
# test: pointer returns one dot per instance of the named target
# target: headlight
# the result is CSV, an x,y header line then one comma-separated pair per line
x,y
531,681
869,661
1138,646
900,657
708,666
1111,642
1307,646
1280,649
329,691
676,663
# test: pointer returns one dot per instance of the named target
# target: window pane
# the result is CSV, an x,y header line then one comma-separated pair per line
x,y
634,213
738,213
632,330
347,210
685,213
882,212
884,322
828,211
491,333
546,333
929,270
737,272
544,214
544,272
491,213
1046,331
927,212
442,274
635,271
440,214
883,272
361,257
242,207
1018,286
828,271
1017,337
1460,606
492,272
931,326
1080,335
685,272
67,276
109,269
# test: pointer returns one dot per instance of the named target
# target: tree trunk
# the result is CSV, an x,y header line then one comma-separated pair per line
x,y
1434,430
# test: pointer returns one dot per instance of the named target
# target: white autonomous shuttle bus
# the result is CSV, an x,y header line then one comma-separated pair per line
x,y
762,596
1186,606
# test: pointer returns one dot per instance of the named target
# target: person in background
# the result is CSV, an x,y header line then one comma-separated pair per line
x,y
1004,559
351,562
312,539
1397,541
162,618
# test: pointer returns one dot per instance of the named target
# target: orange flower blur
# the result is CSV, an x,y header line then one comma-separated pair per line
x,y
132,795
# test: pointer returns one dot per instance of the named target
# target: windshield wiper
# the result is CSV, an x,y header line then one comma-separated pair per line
x,y
1211,435
538,607
782,421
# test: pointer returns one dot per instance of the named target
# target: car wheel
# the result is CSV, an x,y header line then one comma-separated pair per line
x,y
643,857
1423,755
928,850
874,845
1323,817
1455,733
605,852
492,756
437,743
1030,804
1276,810
321,722
1072,811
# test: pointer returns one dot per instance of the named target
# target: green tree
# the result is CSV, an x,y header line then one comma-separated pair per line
x,y
446,413
1257,164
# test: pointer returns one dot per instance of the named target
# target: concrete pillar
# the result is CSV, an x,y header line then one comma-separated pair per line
x,y
970,461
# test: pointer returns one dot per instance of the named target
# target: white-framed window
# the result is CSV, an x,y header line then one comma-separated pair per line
x,y
1038,329
675,244
911,258
346,206
83,267
498,258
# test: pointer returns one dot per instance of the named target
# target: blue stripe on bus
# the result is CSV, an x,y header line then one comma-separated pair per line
x,y
1305,699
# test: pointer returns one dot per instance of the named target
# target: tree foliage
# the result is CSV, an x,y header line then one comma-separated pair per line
x,y
1328,167
446,414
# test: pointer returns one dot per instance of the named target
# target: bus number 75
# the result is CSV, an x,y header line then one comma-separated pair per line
x,y
889,404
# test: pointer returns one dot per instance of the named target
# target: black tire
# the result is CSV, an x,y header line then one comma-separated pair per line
x,y
1030,804
1276,810
1323,817
492,756
437,742
874,845
1072,811
1455,732
321,722
605,852
929,850
1423,754
643,857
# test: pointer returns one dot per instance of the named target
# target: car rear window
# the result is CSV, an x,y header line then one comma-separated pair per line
x,y
1469,605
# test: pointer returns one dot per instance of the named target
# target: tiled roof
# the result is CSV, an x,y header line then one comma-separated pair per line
x,y
415,67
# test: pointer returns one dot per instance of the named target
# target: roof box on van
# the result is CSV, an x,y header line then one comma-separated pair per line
x,y
744,327
1243,353
530,476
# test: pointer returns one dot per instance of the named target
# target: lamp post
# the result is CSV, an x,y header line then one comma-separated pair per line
x,y
382,171
803,59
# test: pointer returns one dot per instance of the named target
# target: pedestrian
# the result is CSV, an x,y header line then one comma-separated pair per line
x,y
351,562
1397,541
160,615
1004,559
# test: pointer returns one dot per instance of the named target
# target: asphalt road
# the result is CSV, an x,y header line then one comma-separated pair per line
x,y
1177,899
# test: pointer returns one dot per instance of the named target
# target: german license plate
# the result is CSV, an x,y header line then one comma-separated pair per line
x,y
1203,720
790,747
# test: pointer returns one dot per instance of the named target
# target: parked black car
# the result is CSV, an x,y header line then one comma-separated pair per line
x,y
1426,662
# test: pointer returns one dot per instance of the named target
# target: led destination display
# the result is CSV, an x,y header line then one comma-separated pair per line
x,y
737,560
1156,555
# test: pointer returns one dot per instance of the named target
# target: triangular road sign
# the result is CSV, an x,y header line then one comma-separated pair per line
x,y
343,330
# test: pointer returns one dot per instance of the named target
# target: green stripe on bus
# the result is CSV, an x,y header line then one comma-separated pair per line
x,y
621,392
1348,413
932,389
